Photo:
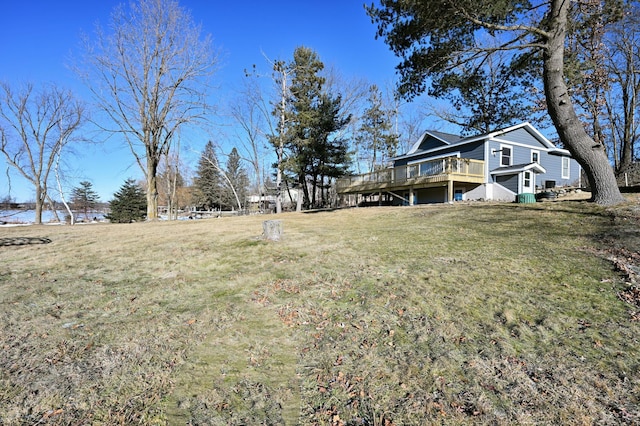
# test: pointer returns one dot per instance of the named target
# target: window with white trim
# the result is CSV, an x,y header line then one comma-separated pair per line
x,y
535,156
565,168
505,155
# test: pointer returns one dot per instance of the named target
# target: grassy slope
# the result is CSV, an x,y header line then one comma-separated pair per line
x,y
494,314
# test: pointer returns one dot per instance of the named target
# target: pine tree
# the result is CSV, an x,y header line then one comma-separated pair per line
x,y
314,115
238,181
129,204
374,135
331,153
207,182
84,198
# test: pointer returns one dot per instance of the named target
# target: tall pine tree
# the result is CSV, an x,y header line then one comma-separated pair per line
x,y
313,116
375,137
207,182
331,157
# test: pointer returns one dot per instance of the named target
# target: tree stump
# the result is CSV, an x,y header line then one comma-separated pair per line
x,y
272,230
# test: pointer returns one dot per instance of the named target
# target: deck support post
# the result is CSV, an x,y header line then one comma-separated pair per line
x,y
411,195
450,190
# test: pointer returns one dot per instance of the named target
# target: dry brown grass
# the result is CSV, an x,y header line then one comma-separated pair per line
x,y
464,314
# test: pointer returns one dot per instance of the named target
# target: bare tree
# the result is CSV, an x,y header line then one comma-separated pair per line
x,y
171,182
61,191
34,127
251,112
148,76
352,93
622,101
605,72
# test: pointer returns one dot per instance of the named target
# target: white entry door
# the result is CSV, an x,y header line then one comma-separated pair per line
x,y
528,181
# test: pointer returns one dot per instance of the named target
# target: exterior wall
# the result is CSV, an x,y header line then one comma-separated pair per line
x,y
500,193
431,195
520,136
477,193
554,172
469,191
521,154
474,151
430,142
510,182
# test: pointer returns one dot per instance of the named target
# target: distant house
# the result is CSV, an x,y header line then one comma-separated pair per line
x,y
441,167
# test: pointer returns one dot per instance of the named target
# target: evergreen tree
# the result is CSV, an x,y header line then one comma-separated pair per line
x,y
374,135
207,182
331,157
313,116
84,198
486,97
237,183
129,204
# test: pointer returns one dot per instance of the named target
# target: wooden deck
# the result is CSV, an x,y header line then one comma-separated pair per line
x,y
415,176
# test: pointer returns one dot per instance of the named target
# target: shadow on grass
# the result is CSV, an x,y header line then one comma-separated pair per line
x,y
23,241
328,209
577,208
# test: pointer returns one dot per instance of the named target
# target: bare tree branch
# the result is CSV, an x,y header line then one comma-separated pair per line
x,y
149,76
35,127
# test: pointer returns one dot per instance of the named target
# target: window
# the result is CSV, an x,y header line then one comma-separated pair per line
x,y
527,179
565,168
535,157
505,157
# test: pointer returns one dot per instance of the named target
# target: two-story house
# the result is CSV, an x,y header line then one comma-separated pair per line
x,y
441,167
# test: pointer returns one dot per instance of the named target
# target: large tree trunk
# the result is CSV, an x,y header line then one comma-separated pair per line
x,y
590,155
152,187
626,156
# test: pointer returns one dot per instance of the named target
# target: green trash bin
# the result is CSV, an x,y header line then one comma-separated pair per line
x,y
526,198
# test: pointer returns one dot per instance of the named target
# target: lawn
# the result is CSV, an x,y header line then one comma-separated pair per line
x,y
457,314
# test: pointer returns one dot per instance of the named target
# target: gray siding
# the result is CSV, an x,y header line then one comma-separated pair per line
x,y
474,151
553,166
519,154
521,136
551,163
510,182
430,142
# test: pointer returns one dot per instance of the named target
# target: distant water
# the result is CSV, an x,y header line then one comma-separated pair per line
x,y
29,216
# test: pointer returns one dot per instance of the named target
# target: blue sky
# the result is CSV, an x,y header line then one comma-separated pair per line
x,y
38,36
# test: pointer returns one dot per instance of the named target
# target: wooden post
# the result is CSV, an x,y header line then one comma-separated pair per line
x,y
272,230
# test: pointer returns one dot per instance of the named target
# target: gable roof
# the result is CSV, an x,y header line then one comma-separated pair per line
x,y
526,126
440,140
517,168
